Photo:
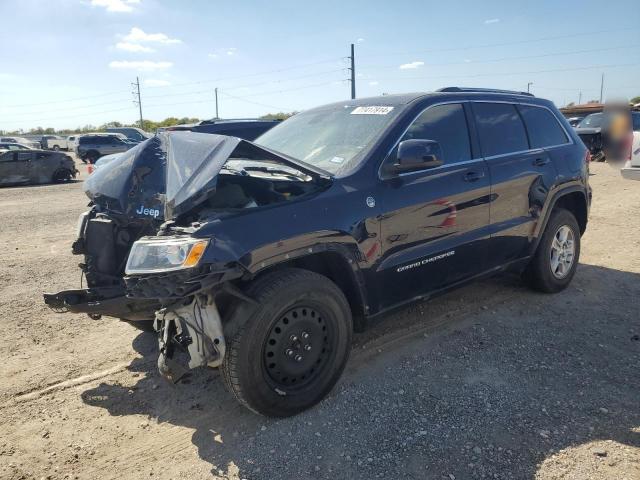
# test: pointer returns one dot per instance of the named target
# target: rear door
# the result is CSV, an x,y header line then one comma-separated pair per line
x,y
521,177
435,222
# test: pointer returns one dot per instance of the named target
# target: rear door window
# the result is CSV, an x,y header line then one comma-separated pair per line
x,y
447,125
500,128
542,126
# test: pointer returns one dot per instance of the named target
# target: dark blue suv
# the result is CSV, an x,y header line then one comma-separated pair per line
x,y
263,257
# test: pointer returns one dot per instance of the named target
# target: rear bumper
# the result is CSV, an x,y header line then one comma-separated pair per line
x,y
95,302
631,173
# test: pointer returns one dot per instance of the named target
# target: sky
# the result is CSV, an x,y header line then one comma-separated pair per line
x,y
69,63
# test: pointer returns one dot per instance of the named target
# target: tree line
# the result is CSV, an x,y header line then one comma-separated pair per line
x,y
147,125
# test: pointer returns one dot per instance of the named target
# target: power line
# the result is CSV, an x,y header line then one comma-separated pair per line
x,y
502,74
504,44
255,103
237,87
72,108
65,100
73,116
526,57
256,74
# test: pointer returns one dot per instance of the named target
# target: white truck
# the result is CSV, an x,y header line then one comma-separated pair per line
x,y
55,142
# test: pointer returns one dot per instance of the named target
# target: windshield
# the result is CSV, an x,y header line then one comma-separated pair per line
x,y
592,121
333,139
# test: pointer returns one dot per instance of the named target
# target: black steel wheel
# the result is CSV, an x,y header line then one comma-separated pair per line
x,y
293,347
297,348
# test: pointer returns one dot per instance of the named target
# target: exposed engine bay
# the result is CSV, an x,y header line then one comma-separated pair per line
x,y
169,185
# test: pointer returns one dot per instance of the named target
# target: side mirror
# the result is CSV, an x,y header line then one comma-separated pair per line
x,y
414,155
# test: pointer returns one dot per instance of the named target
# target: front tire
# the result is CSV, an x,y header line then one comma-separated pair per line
x,y
556,259
293,347
62,175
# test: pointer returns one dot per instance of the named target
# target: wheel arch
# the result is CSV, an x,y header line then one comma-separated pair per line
x,y
335,262
572,198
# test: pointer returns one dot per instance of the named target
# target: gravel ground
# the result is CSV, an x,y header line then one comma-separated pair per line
x,y
490,381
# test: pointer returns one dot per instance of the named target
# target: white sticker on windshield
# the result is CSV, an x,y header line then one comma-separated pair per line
x,y
337,160
371,110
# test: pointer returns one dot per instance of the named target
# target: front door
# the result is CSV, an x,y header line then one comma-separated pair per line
x,y
15,167
434,231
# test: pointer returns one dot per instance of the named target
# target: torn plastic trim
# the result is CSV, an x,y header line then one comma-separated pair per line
x,y
194,329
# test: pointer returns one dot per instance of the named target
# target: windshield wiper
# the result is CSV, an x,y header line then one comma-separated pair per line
x,y
276,171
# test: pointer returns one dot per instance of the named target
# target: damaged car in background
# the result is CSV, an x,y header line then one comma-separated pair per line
x,y
20,165
263,257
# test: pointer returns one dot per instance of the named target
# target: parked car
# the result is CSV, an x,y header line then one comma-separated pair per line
x,y
133,134
14,146
91,147
631,169
262,257
30,166
574,121
590,132
102,161
247,129
21,141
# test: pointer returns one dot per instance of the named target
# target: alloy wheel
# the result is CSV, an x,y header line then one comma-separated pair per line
x,y
563,249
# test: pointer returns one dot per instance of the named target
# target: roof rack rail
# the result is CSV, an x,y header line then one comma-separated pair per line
x,y
482,90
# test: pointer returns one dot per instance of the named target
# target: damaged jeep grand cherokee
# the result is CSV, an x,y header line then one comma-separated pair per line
x,y
263,257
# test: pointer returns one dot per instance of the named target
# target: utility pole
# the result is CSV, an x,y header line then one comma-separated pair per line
x,y
216,90
353,72
529,85
580,98
601,86
139,101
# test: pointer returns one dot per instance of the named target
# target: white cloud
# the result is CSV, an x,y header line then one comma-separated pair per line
x,y
133,47
137,35
156,82
360,40
115,5
411,65
223,52
491,20
374,83
140,65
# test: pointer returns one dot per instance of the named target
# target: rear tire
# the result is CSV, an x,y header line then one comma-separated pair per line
x,y
292,349
56,148
556,259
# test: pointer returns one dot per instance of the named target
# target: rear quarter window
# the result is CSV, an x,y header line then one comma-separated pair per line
x,y
500,128
542,126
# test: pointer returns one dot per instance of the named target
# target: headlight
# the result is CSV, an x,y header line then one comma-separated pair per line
x,y
157,254
82,221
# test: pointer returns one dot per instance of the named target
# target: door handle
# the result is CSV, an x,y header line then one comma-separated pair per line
x,y
472,176
540,162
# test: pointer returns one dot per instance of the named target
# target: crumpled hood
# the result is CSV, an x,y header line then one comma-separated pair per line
x,y
172,173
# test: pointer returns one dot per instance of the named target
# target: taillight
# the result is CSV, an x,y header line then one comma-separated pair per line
x,y
629,147
587,157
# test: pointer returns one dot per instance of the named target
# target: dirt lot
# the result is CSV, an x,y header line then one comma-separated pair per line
x,y
491,381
